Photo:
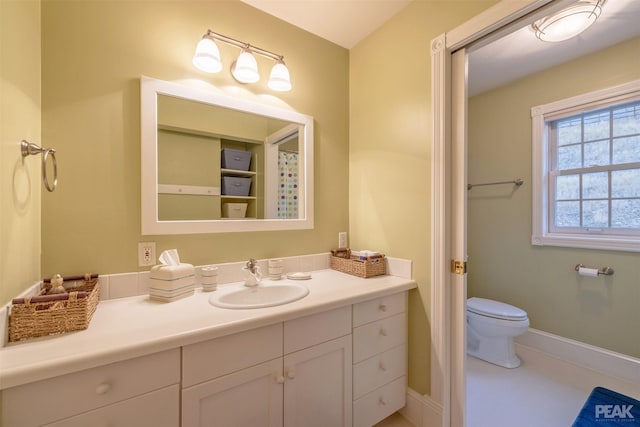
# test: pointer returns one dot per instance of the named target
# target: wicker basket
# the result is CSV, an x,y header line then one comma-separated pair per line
x,y
367,267
42,315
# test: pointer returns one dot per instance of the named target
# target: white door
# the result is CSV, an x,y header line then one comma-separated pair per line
x,y
458,282
318,385
250,397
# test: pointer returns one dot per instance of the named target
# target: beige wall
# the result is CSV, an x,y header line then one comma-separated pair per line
x,y
94,53
390,150
20,180
503,264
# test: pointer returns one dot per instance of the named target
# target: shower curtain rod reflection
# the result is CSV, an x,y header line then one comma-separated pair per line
x,y
518,182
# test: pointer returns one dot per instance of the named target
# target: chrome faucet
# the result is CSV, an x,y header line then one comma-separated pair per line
x,y
252,273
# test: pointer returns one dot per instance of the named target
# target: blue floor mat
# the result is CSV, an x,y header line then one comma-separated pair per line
x,y
606,408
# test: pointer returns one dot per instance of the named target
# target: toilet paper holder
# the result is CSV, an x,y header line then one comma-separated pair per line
x,y
605,271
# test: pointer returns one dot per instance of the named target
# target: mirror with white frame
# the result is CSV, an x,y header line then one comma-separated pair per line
x,y
214,163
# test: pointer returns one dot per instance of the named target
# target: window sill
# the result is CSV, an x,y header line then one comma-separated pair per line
x,y
610,243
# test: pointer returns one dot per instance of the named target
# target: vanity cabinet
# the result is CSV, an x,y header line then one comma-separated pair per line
x,y
379,358
145,389
340,367
288,374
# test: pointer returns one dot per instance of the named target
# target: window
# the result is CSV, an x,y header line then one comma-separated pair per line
x,y
586,170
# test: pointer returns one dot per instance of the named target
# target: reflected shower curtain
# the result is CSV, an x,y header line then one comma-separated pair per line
x,y
288,185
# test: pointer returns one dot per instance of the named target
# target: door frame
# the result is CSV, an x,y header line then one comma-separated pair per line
x,y
448,189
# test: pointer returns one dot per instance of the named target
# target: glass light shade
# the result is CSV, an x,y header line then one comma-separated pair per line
x,y
245,69
279,79
207,56
568,22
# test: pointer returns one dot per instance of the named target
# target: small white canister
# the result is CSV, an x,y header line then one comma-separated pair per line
x,y
276,268
209,278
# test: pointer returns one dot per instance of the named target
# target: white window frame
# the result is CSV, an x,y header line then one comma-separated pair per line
x,y
541,233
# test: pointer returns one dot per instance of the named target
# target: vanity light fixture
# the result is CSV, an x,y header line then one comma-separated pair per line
x,y
568,22
245,68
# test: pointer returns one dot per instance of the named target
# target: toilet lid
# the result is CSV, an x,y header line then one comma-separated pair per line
x,y
498,310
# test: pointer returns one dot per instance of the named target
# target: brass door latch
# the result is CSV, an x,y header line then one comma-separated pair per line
x,y
458,267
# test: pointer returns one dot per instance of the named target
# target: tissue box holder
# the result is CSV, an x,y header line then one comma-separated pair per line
x,y
41,315
171,282
343,261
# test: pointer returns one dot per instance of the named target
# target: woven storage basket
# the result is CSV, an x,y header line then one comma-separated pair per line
x,y
369,267
31,317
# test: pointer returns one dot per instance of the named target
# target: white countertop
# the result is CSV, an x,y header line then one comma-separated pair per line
x,y
130,327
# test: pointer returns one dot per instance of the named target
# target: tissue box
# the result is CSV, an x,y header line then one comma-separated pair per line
x,y
171,282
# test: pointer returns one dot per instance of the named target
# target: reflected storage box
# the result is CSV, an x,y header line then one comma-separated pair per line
x,y
235,159
48,314
234,210
236,186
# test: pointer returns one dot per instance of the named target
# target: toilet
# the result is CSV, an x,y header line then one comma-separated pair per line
x,y
491,327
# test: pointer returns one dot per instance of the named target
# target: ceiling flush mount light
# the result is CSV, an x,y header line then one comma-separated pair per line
x,y
245,68
568,22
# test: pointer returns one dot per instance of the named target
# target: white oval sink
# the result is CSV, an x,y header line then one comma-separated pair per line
x,y
260,296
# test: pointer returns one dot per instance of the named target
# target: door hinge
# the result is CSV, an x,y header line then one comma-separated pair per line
x,y
458,267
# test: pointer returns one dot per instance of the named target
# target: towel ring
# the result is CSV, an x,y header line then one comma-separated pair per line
x,y
28,148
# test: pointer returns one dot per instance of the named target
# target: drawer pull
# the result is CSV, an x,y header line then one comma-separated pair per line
x,y
382,401
103,388
280,379
383,332
291,373
382,307
382,367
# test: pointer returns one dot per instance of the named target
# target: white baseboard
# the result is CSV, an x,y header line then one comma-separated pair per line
x,y
422,410
598,359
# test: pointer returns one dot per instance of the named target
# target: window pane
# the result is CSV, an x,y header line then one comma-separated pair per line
x,y
625,213
569,131
595,185
596,126
569,157
626,150
625,183
596,153
595,213
626,120
567,214
568,187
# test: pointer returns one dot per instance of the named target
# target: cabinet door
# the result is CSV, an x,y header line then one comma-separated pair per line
x,y
156,409
318,388
250,397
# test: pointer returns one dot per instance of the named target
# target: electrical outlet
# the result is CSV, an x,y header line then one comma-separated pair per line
x,y
146,254
342,239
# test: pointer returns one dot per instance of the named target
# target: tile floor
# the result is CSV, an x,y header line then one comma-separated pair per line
x,y
542,392
395,420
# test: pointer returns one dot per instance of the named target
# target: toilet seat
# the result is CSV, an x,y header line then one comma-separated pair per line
x,y
495,309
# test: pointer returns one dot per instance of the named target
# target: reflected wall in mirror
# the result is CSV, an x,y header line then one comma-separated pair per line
x,y
215,163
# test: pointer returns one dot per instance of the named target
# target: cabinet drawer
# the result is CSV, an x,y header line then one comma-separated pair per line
x,y
379,370
379,308
67,395
380,403
379,336
214,358
316,328
156,409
